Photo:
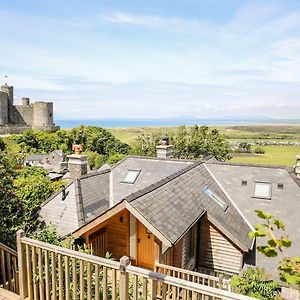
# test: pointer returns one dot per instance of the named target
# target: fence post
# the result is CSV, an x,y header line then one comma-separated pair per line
x,y
22,266
124,262
221,281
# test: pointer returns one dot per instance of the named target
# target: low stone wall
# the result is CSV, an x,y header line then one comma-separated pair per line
x,y
10,129
14,129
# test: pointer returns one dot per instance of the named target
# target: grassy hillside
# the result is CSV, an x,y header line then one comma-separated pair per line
x,y
275,155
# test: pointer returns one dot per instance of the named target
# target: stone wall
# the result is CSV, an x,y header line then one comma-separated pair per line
x,y
13,129
24,115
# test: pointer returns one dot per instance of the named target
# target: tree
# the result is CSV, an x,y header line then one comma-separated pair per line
x,y
194,142
289,267
10,207
32,188
100,140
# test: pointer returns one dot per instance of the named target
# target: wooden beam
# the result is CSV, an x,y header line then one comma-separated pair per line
x,y
109,213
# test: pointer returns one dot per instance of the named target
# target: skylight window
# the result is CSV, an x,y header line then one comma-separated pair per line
x,y
215,197
262,190
131,176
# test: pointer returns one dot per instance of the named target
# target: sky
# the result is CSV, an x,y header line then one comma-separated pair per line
x,y
154,59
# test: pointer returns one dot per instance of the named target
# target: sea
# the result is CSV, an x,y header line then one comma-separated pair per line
x,y
123,123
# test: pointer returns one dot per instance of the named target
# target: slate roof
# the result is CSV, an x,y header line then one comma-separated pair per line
x,y
284,203
169,194
152,170
175,203
36,157
94,189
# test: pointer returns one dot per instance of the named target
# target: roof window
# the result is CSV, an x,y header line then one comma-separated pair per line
x,y
131,176
215,197
262,190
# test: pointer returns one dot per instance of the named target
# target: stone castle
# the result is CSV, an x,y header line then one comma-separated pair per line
x,y
17,118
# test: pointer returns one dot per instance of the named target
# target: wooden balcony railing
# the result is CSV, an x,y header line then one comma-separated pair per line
x,y
50,272
217,282
9,279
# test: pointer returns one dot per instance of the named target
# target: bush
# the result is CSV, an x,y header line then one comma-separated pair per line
x,y
255,283
259,150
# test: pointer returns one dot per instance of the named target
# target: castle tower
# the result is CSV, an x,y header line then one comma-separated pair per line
x,y
42,114
3,108
9,90
25,101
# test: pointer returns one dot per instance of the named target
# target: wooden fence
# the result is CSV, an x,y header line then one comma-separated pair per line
x,y
50,272
9,279
217,282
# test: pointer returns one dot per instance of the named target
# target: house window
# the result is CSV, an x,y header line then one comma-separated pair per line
x,y
131,176
215,197
262,190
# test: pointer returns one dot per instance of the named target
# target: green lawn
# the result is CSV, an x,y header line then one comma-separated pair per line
x,y
275,155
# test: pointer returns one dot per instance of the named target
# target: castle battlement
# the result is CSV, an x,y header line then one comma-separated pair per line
x,y
37,115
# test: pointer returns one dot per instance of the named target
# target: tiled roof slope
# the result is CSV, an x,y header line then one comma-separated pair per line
x,y
284,203
94,194
175,203
152,170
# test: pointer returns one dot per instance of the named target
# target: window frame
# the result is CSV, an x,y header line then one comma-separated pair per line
x,y
216,198
269,197
138,171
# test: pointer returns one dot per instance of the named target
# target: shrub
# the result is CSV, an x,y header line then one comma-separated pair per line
x,y
259,150
255,283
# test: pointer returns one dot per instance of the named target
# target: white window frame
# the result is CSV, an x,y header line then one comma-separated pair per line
x,y
269,197
136,177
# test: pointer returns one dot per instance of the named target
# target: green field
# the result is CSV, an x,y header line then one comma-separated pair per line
x,y
249,132
275,155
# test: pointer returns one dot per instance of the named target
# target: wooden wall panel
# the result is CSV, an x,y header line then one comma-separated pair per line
x,y
117,234
216,251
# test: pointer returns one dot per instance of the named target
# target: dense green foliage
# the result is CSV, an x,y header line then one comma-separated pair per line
x,y
21,194
255,283
32,187
99,140
2,145
99,144
289,267
188,142
10,208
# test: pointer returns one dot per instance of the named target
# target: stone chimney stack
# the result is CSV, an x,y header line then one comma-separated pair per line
x,y
77,163
164,150
297,167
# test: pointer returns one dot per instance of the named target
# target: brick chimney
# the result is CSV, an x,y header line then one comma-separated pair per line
x,y
164,150
297,167
77,162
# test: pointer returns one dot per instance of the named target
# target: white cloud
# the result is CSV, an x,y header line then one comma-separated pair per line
x,y
175,24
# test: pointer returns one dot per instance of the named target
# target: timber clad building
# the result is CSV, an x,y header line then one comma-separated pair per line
x,y
184,213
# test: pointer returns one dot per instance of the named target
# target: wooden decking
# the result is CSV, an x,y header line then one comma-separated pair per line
x,y
6,295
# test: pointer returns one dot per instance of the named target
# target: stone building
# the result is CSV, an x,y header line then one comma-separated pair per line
x,y
17,118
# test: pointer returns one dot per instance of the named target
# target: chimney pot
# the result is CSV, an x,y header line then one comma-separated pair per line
x,y
77,165
164,150
77,148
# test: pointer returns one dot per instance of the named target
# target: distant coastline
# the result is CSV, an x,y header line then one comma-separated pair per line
x,y
115,123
